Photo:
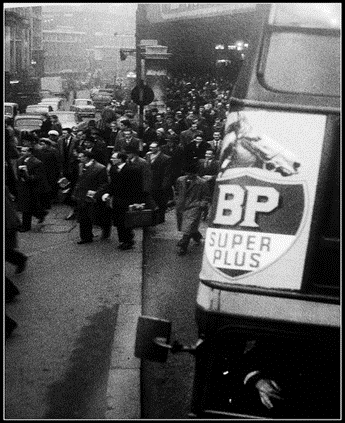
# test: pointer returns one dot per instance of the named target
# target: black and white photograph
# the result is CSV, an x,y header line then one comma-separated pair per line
x,y
172,211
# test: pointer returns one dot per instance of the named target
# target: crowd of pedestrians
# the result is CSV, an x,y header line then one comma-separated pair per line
x,y
100,167
190,130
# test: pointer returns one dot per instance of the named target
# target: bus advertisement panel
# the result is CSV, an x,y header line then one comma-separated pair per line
x,y
259,225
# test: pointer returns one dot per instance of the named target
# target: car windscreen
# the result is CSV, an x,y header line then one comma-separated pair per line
x,y
83,103
8,110
66,117
21,123
40,107
50,100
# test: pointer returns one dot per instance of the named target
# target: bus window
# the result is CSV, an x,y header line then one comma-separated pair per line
x,y
310,15
313,53
292,54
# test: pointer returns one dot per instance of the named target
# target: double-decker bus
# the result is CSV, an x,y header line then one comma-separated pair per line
x,y
268,302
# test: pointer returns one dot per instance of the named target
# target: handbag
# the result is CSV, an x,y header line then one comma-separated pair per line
x,y
138,217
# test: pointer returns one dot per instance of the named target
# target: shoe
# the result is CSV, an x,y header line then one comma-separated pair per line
x,y
10,325
131,242
105,235
24,229
21,267
85,241
182,251
9,297
42,218
11,291
71,216
126,246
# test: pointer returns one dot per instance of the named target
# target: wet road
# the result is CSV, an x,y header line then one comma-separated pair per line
x,y
170,287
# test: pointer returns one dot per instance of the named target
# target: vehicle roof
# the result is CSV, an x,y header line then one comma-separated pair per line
x,y
48,103
62,112
10,104
51,99
40,109
39,105
25,116
84,99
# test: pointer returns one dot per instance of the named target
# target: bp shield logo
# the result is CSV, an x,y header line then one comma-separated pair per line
x,y
256,219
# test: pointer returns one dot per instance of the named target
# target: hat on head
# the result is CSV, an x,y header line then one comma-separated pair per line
x,y
53,132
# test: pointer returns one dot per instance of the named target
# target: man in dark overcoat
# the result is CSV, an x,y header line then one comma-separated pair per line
x,y
32,186
209,168
97,149
51,166
161,179
128,139
196,150
149,135
66,143
46,125
92,178
188,136
175,151
125,188
146,174
12,224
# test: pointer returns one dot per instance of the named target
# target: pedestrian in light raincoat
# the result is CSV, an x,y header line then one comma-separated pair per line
x,y
192,197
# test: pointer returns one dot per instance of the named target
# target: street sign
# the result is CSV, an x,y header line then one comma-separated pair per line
x,y
142,95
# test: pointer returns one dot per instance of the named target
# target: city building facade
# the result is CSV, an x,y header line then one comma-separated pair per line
x,y
24,59
23,41
105,31
108,58
64,49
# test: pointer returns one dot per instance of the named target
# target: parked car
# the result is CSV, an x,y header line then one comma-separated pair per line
x,y
26,123
83,107
38,109
45,94
11,111
57,103
67,119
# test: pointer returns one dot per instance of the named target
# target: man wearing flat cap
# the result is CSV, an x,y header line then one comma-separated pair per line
x,y
53,136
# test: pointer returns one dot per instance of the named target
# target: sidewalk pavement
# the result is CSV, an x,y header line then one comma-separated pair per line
x,y
123,387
